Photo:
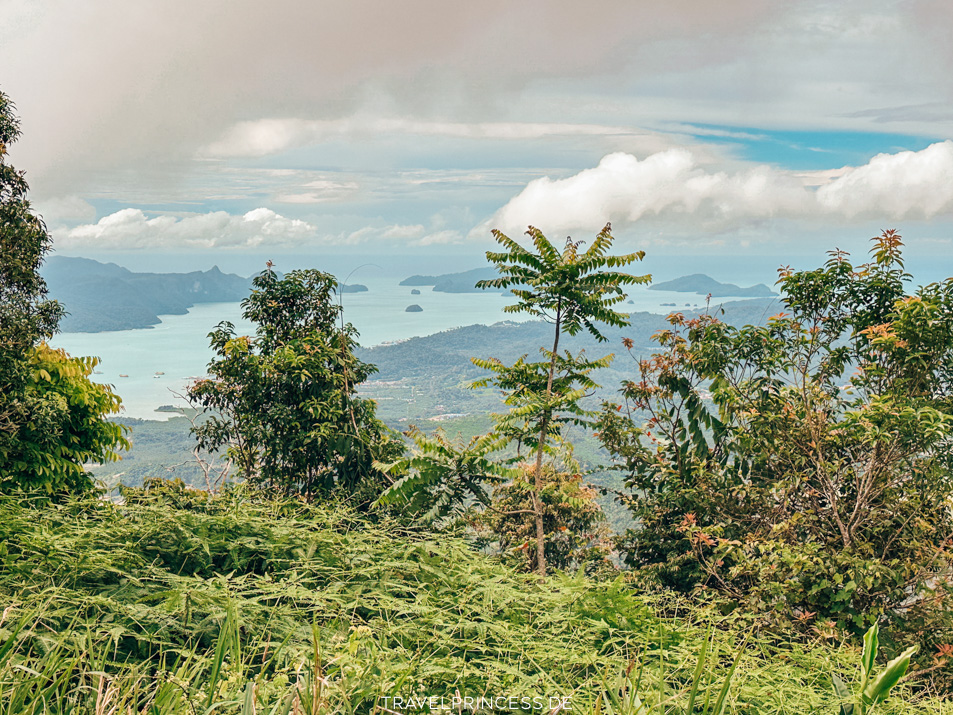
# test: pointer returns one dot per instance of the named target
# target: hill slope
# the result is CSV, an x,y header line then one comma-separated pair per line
x,y
103,296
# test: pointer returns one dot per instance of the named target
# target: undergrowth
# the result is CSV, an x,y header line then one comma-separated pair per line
x,y
177,602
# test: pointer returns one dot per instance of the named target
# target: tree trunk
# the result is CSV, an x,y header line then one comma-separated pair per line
x,y
538,471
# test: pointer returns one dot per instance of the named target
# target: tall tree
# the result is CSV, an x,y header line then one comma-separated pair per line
x,y
573,290
52,417
26,316
284,402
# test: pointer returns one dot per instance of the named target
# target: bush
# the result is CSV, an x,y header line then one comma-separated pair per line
x,y
575,529
802,468
67,429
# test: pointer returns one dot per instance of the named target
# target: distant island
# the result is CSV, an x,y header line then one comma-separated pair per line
x,y
413,309
352,288
100,297
464,282
704,285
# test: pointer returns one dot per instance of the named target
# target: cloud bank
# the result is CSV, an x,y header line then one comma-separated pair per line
x,y
674,186
131,229
109,84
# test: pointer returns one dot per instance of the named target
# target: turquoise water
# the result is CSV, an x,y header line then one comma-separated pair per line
x,y
178,346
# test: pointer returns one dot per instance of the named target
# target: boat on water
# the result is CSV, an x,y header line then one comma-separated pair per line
x,y
121,375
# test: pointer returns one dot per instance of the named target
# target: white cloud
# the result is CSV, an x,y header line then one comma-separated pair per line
x,y
909,184
675,187
65,209
441,238
321,191
132,229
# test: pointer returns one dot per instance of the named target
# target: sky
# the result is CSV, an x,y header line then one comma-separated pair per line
x,y
169,132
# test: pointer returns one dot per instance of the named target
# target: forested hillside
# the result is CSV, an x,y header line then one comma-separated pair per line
x,y
104,296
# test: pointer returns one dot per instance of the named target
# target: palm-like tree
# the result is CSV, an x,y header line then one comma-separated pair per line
x,y
572,289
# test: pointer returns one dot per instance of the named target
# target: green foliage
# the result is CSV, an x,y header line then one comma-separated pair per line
x,y
26,316
440,477
524,384
872,690
568,288
574,525
67,429
179,600
802,468
572,290
284,402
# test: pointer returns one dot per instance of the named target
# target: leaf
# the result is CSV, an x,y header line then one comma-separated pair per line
x,y
877,691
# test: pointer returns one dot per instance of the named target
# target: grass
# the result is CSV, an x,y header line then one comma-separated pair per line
x,y
177,602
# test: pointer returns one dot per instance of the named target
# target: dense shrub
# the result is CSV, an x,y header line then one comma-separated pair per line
x,y
178,602
802,468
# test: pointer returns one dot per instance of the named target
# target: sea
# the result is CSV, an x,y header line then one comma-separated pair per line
x,y
151,367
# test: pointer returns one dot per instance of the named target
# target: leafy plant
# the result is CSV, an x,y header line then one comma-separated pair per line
x,y
574,525
872,690
178,598
802,468
629,695
68,428
284,402
573,290
438,479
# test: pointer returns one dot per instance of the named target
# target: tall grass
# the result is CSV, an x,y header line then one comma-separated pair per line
x,y
183,603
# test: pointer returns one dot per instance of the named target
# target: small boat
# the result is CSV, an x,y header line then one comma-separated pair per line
x,y
160,373
121,375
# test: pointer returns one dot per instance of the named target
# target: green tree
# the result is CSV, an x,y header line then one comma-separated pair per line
x,y
284,402
572,290
26,316
67,429
803,467
52,417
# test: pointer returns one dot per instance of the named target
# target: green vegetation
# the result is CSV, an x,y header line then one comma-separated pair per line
x,y
574,526
440,476
178,601
52,417
282,405
67,429
790,488
572,290
802,469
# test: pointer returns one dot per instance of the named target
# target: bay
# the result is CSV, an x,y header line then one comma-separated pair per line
x,y
150,367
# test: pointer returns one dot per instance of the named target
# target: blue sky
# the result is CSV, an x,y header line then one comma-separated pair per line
x,y
812,150
243,128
